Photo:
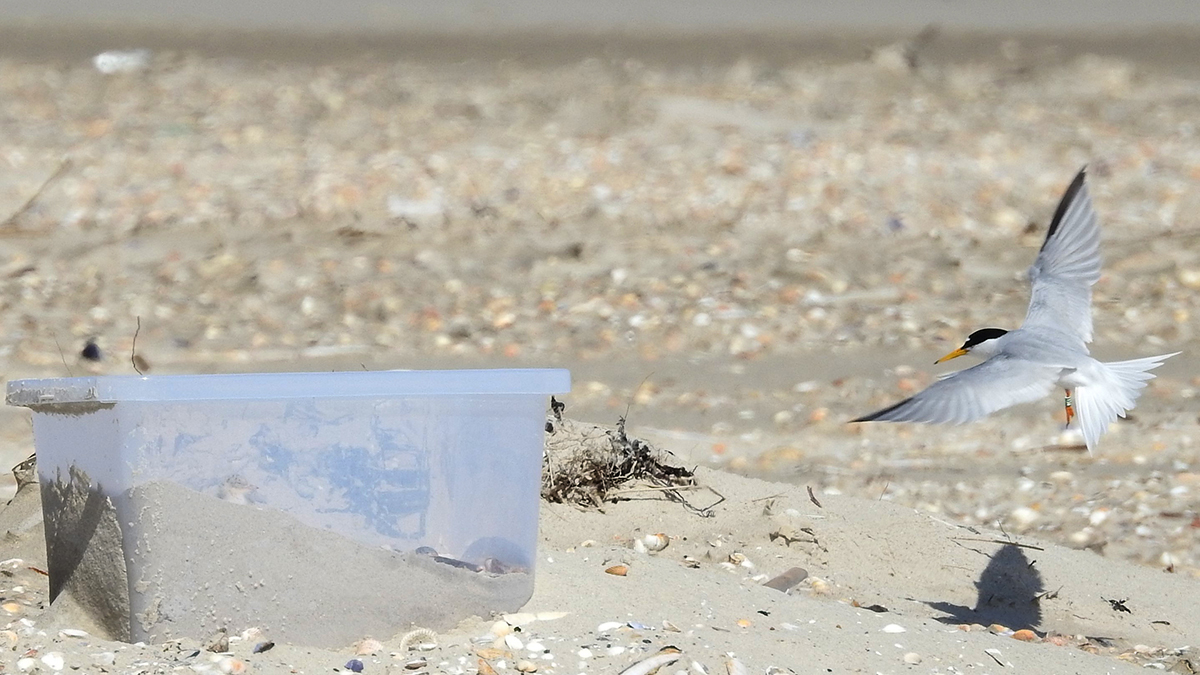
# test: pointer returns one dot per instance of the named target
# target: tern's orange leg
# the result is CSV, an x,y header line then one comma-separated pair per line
x,y
1070,406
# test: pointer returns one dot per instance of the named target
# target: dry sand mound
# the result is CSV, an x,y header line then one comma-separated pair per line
x,y
887,588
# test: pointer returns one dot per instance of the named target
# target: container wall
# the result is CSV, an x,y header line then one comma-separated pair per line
x,y
253,512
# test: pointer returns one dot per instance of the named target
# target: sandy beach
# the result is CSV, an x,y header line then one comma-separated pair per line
x,y
739,253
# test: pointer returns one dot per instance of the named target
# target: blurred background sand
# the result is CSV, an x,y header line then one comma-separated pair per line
x,y
740,224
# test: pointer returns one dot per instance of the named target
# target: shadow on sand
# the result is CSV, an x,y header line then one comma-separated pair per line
x,y
1008,592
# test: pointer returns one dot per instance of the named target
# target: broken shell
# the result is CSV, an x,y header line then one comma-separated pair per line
x,y
668,626
665,657
73,633
912,658
263,647
786,581
513,642
618,570
519,619
608,625
416,664
735,667
231,666
490,653
54,660
367,646
501,628
737,558
656,542
526,666
354,665
1025,635
485,668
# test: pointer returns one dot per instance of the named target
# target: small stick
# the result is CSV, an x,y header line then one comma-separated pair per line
x,y
813,498
63,357
133,349
58,173
1001,541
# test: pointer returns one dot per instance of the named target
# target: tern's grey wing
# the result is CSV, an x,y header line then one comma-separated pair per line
x,y
971,394
1067,266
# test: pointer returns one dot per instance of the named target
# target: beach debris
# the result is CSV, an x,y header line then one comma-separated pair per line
x,y
587,466
419,638
219,643
1119,605
647,666
519,618
263,647
484,667
354,666
878,609
73,633
368,646
609,625
699,668
657,541
670,627
91,351
894,628
54,660
416,664
912,658
735,667
116,61
618,570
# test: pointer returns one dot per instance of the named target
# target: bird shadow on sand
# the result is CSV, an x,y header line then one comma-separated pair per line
x,y
1007,593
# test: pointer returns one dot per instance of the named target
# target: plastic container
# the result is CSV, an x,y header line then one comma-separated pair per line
x,y
318,507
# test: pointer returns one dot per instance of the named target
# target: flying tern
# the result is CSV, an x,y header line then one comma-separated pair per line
x,y
1049,349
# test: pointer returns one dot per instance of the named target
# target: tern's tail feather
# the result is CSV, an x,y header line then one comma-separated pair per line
x,y
1099,405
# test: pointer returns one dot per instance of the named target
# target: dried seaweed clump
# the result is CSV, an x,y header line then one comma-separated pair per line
x,y
587,465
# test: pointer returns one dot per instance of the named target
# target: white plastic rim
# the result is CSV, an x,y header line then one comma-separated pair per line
x,y
263,386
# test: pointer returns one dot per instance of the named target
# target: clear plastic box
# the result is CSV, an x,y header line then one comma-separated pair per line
x,y
318,507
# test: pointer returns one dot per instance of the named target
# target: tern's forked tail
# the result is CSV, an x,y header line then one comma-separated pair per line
x,y
1099,405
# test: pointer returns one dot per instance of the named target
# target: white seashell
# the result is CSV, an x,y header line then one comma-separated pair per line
x,y
656,542
912,658
501,628
535,647
653,663
415,664
520,619
668,626
735,667
608,625
26,664
73,633
639,546
513,642
584,653
699,668
551,616
894,628
526,666
54,660
367,646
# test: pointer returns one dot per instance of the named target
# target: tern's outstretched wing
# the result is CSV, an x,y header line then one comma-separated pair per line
x,y
1067,266
971,394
